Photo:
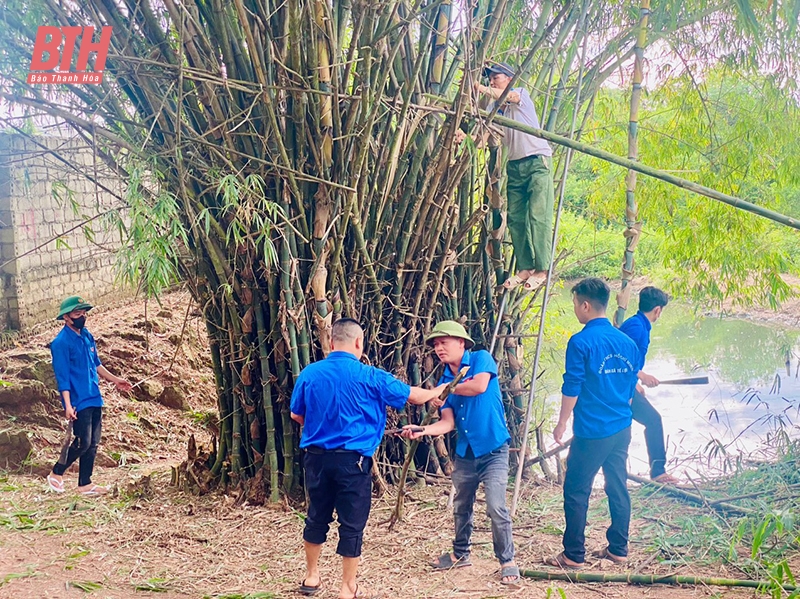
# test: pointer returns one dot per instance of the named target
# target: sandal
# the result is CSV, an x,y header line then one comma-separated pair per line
x,y
533,282
55,485
560,561
445,562
308,590
604,553
513,282
94,491
510,571
359,595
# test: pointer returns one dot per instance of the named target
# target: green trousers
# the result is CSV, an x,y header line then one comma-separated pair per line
x,y
529,189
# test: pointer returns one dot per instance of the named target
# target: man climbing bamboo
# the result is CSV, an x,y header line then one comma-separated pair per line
x,y
475,408
341,404
529,181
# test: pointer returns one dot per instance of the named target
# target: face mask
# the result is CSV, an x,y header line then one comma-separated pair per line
x,y
79,322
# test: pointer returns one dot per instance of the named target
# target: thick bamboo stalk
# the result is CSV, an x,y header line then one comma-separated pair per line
x,y
270,452
634,227
654,579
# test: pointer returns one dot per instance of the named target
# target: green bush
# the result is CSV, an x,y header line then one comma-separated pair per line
x,y
597,251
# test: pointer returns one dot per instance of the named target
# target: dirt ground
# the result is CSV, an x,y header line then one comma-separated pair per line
x,y
147,537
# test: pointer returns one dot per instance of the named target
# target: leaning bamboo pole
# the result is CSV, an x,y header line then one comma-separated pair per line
x,y
633,226
549,280
650,171
654,579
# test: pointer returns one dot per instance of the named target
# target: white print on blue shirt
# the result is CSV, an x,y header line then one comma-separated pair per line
x,y
620,370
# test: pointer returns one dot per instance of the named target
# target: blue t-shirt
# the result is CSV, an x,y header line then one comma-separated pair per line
x,y
75,363
601,371
344,403
480,419
637,327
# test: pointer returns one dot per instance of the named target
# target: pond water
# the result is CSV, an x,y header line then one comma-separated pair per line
x,y
750,395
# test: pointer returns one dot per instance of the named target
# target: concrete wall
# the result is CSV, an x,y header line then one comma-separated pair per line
x,y
43,197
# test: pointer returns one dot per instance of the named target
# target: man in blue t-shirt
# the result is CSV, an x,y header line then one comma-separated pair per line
x,y
599,382
475,409
341,405
78,372
651,302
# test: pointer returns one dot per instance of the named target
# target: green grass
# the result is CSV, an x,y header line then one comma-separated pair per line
x,y
28,573
86,586
154,585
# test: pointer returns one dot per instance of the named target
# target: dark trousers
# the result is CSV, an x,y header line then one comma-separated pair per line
x,y
341,481
644,413
87,429
586,457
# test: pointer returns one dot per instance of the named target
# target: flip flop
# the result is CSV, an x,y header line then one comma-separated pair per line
x,y
445,562
509,572
513,282
308,590
359,595
95,491
55,485
604,553
560,561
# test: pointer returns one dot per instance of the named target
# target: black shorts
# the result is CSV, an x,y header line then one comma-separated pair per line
x,y
340,480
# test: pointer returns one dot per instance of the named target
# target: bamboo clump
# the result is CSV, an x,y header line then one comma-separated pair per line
x,y
309,175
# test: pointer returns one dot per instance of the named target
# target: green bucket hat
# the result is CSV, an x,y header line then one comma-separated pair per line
x,y
76,302
450,328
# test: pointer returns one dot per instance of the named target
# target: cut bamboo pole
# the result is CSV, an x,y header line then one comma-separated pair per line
x,y
653,579
651,172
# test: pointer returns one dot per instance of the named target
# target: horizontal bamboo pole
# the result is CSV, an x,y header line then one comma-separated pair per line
x,y
651,579
650,171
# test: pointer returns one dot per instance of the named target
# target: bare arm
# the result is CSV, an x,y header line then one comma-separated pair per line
x,y
648,380
119,382
567,405
513,96
420,396
298,418
475,386
69,411
445,425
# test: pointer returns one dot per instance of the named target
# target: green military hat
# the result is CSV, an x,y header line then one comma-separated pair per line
x,y
450,328
75,302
